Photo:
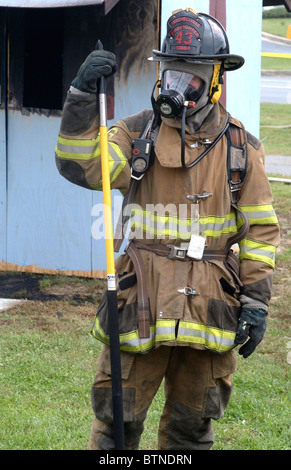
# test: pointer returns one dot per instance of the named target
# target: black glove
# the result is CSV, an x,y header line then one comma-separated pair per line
x,y
99,63
252,323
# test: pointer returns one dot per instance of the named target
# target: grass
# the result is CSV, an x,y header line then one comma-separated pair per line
x,y
258,417
276,141
48,361
275,63
276,26
47,365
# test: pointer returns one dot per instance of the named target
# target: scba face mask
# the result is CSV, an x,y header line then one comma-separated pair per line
x,y
179,90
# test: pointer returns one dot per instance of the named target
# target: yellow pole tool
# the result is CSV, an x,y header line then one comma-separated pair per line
x,y
107,206
113,323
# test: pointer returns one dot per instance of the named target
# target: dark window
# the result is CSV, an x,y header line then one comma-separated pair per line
x,y
43,58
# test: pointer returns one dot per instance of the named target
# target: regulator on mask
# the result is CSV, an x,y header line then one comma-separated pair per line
x,y
179,90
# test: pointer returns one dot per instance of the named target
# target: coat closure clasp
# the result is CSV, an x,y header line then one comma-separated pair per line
x,y
199,197
199,144
188,291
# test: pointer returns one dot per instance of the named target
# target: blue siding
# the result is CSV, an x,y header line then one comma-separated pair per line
x,y
49,220
2,186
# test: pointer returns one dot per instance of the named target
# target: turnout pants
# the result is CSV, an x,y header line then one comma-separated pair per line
x,y
197,389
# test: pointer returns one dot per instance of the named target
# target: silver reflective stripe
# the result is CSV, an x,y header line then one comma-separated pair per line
x,y
78,149
257,251
120,161
216,228
160,226
173,226
136,344
260,214
164,331
210,337
88,150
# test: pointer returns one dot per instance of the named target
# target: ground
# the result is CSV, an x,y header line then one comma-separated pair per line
x,y
39,287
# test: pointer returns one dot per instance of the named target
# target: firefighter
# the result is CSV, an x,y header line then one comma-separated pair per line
x,y
195,181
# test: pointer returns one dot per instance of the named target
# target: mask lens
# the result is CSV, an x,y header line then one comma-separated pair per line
x,y
181,81
193,93
178,81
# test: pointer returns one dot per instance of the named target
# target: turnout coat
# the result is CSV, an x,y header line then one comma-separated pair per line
x,y
188,301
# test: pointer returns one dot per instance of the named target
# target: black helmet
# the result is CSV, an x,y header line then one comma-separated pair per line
x,y
197,37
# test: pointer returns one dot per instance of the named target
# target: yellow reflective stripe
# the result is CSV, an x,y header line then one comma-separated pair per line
x,y
162,331
78,149
129,342
209,337
117,161
163,232
165,330
261,214
178,227
159,225
86,150
214,226
257,251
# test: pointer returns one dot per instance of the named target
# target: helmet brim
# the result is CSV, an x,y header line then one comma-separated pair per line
x,y
230,61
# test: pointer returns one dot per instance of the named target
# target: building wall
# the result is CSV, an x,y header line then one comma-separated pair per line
x,y
45,220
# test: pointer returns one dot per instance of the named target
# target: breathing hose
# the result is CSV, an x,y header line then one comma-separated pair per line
x,y
183,132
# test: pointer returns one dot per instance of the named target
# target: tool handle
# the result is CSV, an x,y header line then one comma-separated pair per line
x,y
99,45
102,82
117,405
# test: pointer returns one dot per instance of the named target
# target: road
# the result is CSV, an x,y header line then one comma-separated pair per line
x,y
278,164
276,88
271,46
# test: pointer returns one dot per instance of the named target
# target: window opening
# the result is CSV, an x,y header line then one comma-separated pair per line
x,y
43,58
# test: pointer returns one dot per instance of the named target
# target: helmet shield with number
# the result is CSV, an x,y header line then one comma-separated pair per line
x,y
197,38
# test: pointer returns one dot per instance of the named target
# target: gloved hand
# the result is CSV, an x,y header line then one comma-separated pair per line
x,y
252,323
99,63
